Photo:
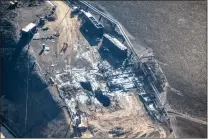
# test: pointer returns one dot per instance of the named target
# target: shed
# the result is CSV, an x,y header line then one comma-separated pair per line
x,y
30,28
11,3
91,25
115,46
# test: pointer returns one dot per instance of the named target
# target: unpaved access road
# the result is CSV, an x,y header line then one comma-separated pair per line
x,y
67,27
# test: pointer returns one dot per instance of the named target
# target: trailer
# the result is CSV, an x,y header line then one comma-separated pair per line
x,y
116,48
30,29
91,26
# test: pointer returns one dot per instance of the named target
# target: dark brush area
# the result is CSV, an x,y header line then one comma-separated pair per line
x,y
45,118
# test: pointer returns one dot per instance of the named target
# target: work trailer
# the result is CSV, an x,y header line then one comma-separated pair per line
x,y
30,29
91,26
13,5
116,48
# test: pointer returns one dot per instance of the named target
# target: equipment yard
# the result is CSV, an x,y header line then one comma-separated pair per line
x,y
92,82
99,103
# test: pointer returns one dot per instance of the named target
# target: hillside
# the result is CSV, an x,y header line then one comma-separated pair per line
x,y
39,114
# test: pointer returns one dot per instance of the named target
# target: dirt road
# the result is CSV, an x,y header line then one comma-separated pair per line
x,y
177,114
66,26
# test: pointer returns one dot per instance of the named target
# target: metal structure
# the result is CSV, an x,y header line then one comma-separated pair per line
x,y
91,26
30,28
115,46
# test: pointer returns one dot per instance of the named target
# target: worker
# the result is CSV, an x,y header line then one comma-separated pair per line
x,y
43,46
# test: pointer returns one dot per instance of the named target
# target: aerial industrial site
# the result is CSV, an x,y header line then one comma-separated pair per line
x,y
77,74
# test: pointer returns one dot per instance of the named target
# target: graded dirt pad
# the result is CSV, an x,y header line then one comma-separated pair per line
x,y
128,118
41,114
66,26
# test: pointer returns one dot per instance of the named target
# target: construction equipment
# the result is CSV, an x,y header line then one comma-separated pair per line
x,y
41,21
75,10
43,46
51,81
44,28
50,18
15,3
11,5
54,8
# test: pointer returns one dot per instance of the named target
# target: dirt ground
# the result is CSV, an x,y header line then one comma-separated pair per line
x,y
130,117
66,26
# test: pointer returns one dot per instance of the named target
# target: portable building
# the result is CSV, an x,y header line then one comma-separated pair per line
x,y
115,46
91,26
29,29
